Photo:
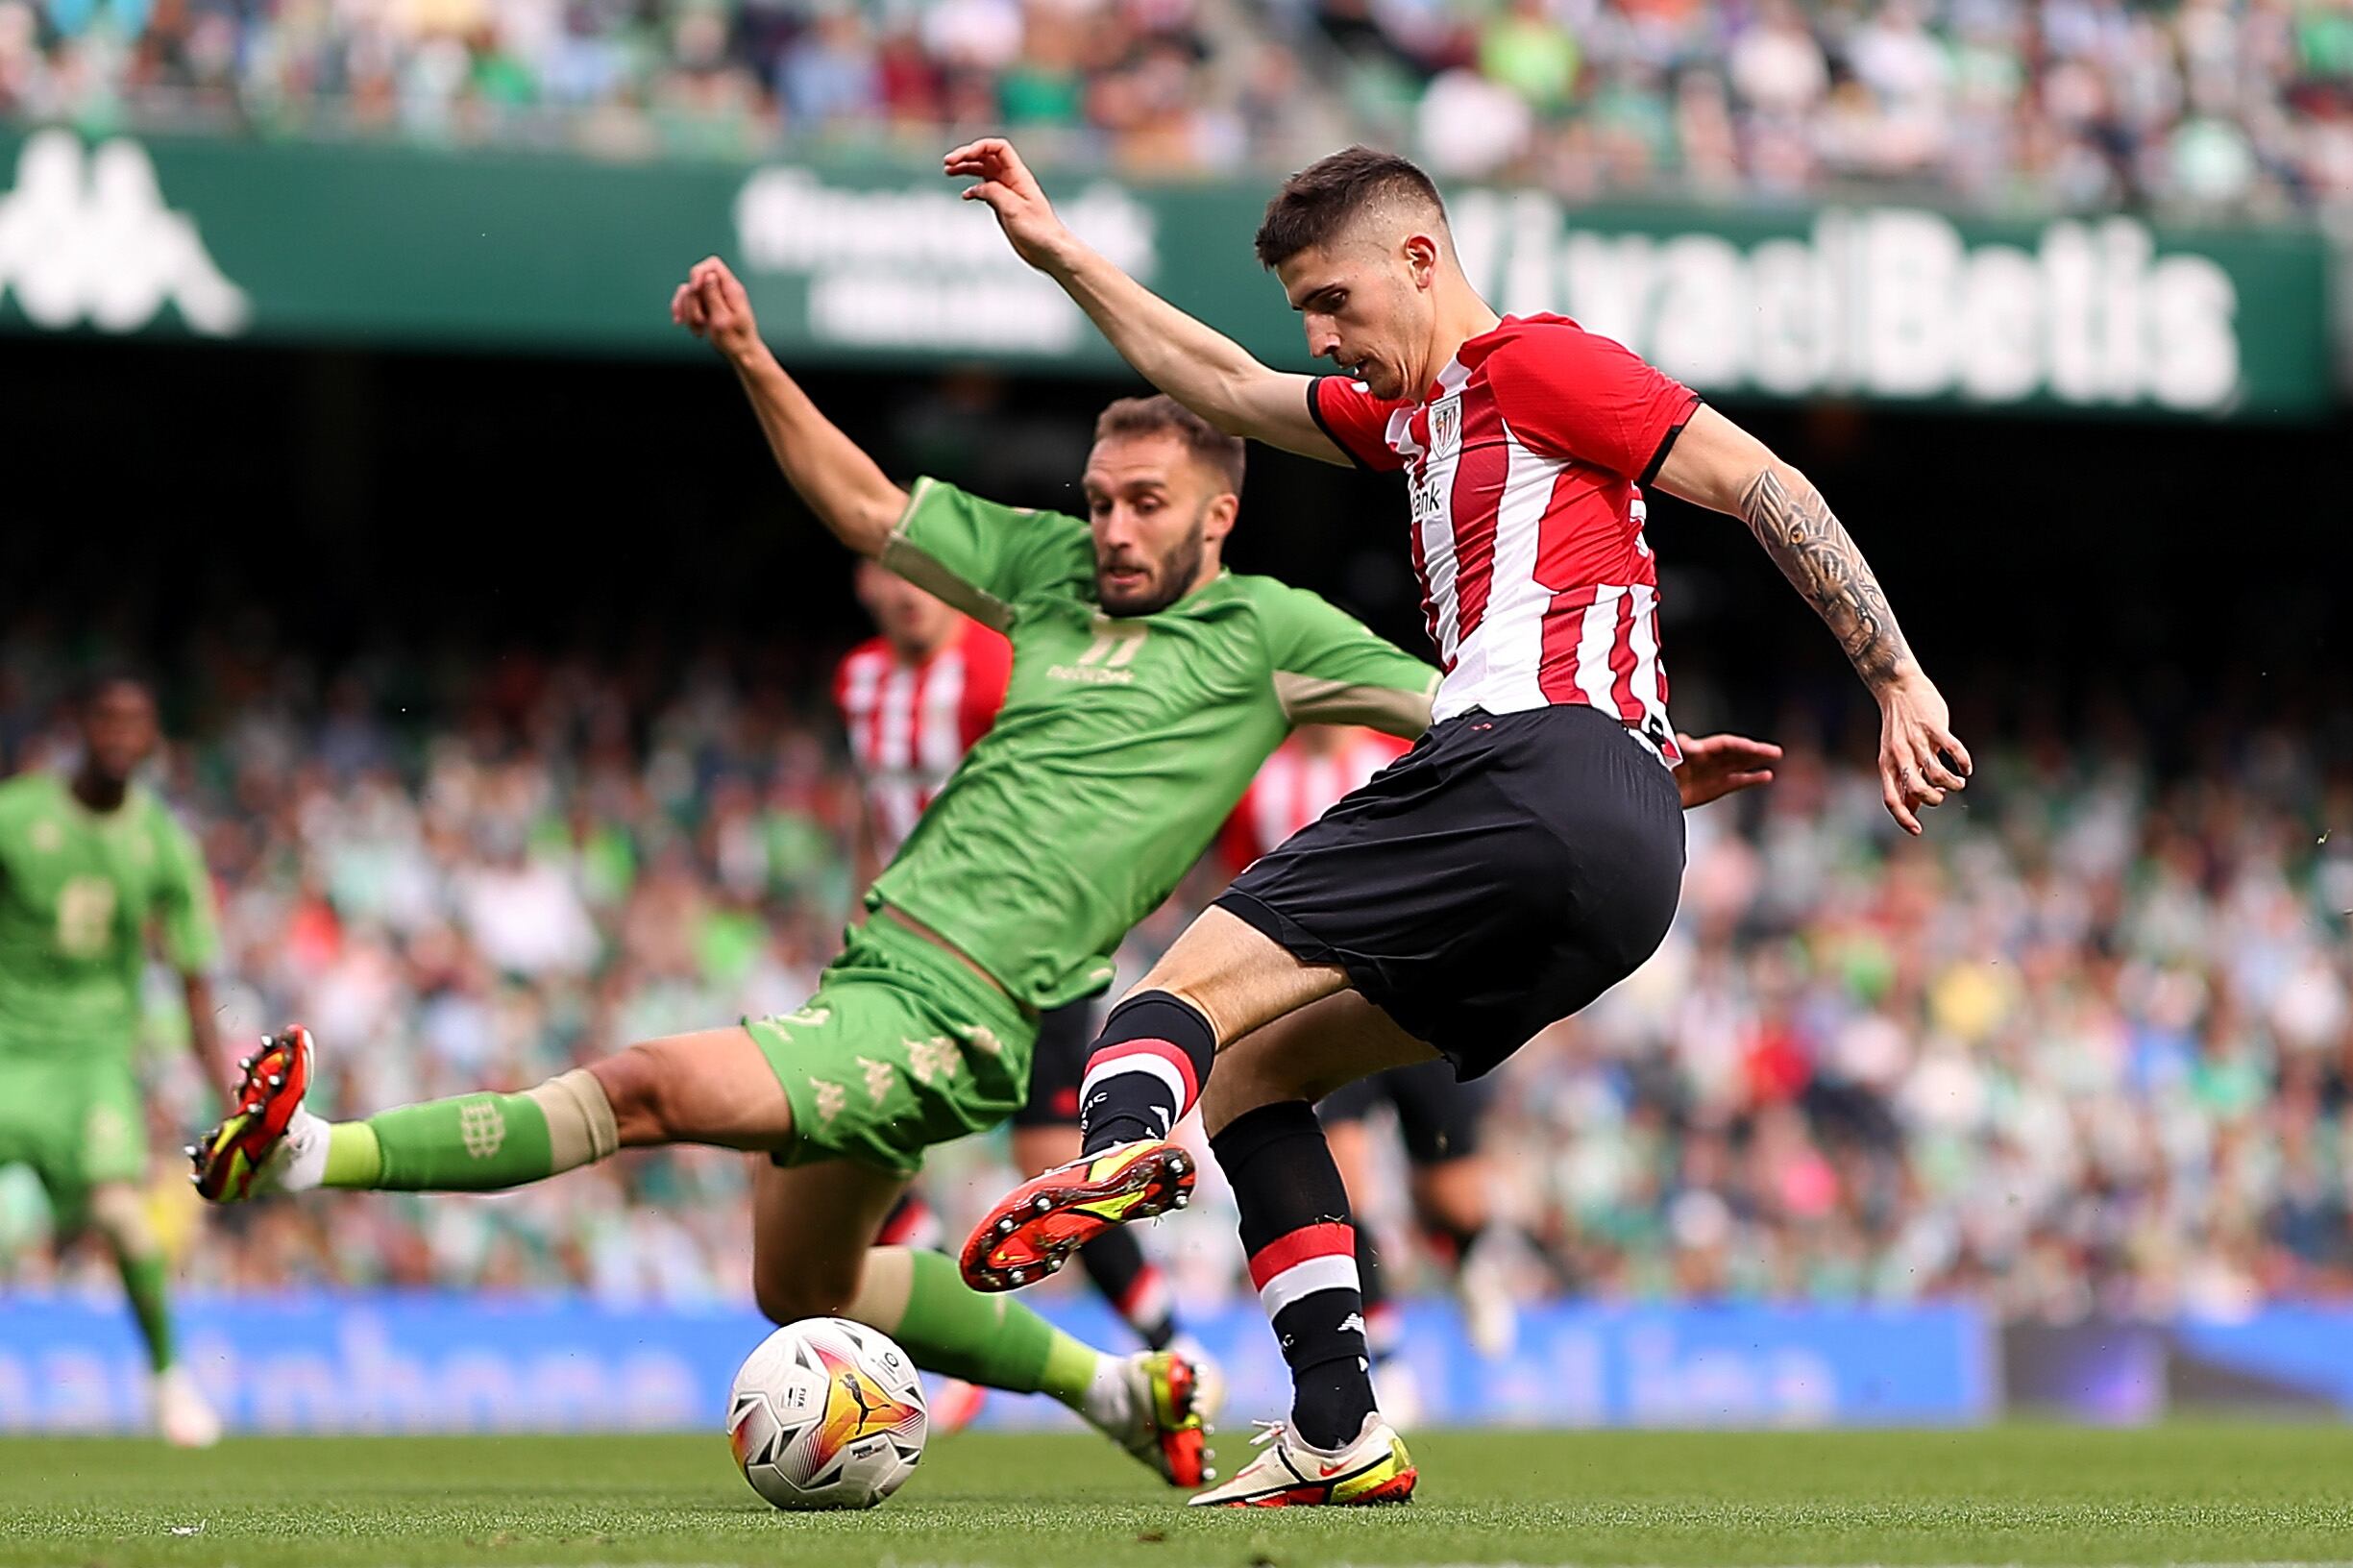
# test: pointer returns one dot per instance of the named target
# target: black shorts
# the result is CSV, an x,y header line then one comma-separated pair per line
x,y
1065,1037
1438,1113
1491,881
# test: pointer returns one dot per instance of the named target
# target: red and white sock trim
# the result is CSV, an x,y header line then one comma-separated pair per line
x,y
1144,1304
1310,1259
913,1224
1161,1059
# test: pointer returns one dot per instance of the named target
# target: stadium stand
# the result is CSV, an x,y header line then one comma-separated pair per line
x,y
2245,106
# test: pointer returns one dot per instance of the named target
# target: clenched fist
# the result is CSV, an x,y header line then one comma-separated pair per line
x,y
712,305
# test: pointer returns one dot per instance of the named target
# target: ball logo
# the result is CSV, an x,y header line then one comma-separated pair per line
x,y
856,1408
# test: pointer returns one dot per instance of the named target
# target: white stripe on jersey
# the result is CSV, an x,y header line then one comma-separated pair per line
x,y
1496,666
1649,678
1597,635
940,741
894,721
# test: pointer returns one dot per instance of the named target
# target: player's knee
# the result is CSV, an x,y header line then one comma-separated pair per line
x,y
118,1217
1241,1087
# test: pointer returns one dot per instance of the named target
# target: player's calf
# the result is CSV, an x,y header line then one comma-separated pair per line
x,y
1145,1072
1298,1233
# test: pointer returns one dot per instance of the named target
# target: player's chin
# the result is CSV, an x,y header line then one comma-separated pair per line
x,y
1139,596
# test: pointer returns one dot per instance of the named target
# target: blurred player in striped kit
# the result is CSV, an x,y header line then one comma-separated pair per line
x,y
913,698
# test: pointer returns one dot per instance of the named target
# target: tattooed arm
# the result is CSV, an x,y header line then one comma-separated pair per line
x,y
1717,464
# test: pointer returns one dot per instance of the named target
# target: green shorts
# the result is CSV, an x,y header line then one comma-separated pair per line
x,y
77,1120
901,1047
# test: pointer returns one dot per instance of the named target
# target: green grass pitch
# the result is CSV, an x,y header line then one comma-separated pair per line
x,y
2019,1494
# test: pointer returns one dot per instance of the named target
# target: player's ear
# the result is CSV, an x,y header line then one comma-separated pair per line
x,y
1218,521
1421,253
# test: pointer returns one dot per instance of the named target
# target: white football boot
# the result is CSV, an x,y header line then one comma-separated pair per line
x,y
1290,1473
184,1417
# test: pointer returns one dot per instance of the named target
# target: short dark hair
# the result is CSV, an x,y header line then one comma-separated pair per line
x,y
1322,198
1164,415
99,679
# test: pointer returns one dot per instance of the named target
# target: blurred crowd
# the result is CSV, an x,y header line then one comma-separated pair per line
x,y
2243,104
2088,1044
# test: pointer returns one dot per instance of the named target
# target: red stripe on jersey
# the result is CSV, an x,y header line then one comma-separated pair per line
x,y
1168,1050
1622,663
1475,500
987,670
1329,1239
1564,622
1430,604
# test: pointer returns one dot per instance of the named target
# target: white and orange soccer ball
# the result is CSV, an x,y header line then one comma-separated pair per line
x,y
827,1414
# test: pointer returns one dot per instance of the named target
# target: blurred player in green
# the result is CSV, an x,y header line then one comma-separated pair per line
x,y
90,866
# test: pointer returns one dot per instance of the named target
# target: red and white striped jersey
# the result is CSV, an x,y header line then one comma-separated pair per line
x,y
910,724
1526,463
1295,786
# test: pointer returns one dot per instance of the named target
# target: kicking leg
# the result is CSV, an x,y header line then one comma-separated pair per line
x,y
715,1087
1221,980
812,1256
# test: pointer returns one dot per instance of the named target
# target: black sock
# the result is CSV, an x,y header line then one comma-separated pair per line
x,y
911,1223
1457,1241
1145,1071
1133,1285
1295,1226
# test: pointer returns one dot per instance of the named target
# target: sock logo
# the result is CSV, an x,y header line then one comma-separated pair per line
x,y
483,1127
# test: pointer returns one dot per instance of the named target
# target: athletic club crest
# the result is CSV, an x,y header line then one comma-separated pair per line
x,y
1446,427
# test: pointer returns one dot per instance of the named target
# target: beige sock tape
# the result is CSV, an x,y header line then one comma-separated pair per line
x,y
883,1286
580,1124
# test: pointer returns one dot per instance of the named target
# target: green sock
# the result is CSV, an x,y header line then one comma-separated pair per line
x,y
951,1329
143,1280
471,1144
354,1157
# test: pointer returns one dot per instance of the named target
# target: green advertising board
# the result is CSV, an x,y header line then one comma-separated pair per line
x,y
390,244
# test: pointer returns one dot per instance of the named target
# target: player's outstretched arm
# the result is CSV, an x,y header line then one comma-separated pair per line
x,y
841,484
1717,464
1201,368
1715,766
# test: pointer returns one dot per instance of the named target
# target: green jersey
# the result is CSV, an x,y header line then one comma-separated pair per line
x,y
1123,743
78,890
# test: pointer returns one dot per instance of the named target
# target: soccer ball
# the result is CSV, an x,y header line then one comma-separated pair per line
x,y
827,1414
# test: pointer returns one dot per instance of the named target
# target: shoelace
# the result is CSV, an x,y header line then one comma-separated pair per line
x,y
1268,1433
